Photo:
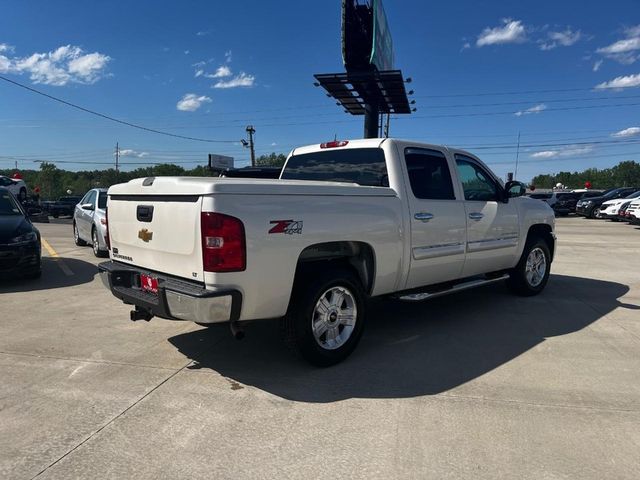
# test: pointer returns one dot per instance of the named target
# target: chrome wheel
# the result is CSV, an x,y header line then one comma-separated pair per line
x,y
76,236
334,318
536,267
96,245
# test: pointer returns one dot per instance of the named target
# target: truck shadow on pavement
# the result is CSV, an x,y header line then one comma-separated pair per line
x,y
410,349
56,273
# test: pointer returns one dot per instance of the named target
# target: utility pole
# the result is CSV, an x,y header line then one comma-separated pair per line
x,y
515,175
251,131
117,158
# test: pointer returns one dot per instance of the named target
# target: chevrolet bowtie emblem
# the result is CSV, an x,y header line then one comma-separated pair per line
x,y
145,235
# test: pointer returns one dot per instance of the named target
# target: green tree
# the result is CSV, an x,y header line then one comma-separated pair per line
x,y
272,160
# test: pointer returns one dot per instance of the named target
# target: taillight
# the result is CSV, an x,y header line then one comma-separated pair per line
x,y
334,144
105,222
223,243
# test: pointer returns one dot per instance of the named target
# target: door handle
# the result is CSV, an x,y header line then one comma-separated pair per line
x,y
423,216
476,216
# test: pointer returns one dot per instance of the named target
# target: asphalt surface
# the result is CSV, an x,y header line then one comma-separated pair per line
x,y
477,385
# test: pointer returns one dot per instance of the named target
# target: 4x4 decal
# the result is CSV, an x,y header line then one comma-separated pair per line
x,y
288,227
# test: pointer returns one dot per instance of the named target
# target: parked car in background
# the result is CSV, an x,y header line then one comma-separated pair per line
x,y
622,212
15,186
590,207
610,208
632,213
20,251
564,203
90,221
62,207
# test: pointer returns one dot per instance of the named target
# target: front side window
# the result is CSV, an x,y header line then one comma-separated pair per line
x,y
476,183
364,166
429,174
8,204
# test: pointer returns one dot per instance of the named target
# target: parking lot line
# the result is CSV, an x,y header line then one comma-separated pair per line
x,y
56,258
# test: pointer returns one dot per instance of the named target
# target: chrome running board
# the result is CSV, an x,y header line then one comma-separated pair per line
x,y
419,297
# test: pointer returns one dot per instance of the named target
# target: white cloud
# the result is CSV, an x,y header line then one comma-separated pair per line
x,y
545,154
624,51
187,52
192,102
63,65
199,73
565,38
512,32
222,72
597,65
227,56
241,80
571,151
203,33
201,63
627,81
535,109
127,152
4,47
627,132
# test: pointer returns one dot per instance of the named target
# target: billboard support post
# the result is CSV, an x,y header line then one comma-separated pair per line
x,y
371,121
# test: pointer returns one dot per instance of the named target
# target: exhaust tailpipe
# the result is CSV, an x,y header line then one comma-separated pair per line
x,y
140,314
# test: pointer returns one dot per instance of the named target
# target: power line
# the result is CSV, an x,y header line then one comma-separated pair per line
x,y
107,117
523,92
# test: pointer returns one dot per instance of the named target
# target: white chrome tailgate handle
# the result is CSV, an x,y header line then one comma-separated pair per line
x,y
476,216
423,216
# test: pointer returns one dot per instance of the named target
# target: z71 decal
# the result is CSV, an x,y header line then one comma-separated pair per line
x,y
288,227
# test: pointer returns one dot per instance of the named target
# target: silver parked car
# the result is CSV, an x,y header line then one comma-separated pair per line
x,y
90,222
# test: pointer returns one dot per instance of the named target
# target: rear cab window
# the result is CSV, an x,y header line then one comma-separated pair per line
x,y
363,166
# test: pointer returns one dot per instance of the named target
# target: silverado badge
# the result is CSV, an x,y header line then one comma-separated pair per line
x,y
145,235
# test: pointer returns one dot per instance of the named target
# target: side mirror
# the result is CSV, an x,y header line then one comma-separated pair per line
x,y
514,189
87,206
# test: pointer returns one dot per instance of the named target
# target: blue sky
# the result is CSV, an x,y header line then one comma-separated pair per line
x,y
207,69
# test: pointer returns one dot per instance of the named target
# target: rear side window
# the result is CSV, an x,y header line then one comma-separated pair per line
x,y
429,174
364,166
102,200
541,196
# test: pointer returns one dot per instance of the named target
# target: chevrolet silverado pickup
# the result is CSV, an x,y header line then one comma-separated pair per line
x,y
346,221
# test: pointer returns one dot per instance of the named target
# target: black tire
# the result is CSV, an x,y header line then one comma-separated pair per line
x,y
297,327
592,212
95,245
518,282
55,215
76,236
22,195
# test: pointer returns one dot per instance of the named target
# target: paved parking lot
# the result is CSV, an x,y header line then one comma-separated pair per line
x,y
478,385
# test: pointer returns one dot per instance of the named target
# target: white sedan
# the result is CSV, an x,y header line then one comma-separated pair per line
x,y
15,186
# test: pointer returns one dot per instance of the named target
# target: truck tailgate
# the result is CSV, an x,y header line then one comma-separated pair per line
x,y
157,232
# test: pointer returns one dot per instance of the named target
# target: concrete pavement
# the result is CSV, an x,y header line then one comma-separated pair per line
x,y
477,385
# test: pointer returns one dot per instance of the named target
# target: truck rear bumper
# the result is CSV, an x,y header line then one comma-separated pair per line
x,y
176,299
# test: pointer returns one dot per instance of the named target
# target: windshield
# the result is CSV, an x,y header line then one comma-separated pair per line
x,y
102,200
8,205
635,194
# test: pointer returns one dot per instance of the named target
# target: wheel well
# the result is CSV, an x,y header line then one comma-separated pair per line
x,y
357,255
542,230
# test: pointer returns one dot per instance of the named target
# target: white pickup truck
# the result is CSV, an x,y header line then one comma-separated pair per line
x,y
347,220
